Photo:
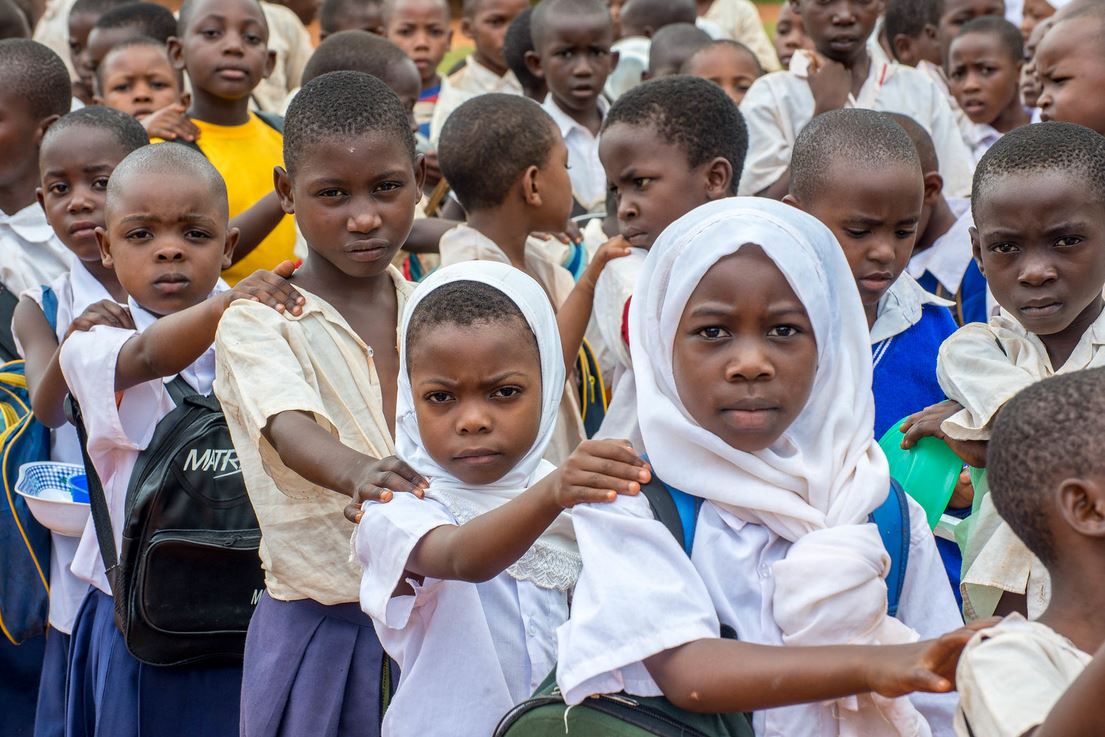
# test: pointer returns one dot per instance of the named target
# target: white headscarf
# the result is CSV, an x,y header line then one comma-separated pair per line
x,y
553,562
819,482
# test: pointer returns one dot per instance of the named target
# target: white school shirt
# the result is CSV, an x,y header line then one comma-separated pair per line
x,y
740,20
979,137
632,63
779,105
117,433
467,652
584,167
612,291
949,255
471,80
75,292
291,43
30,253
639,595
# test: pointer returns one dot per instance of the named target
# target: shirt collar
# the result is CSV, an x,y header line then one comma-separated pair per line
x,y
565,122
878,73
29,224
901,308
487,80
949,256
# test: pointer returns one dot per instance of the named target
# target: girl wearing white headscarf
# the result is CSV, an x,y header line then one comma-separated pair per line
x,y
782,552
468,652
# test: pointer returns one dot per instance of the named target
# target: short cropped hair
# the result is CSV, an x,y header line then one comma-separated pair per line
x,y
684,37
170,159
909,17
343,105
517,43
1051,146
1049,432
1008,35
354,51
152,43
148,19
124,129
329,14
488,143
866,138
926,149
463,303
658,13
726,43
96,7
36,74
693,113
546,9
184,15
13,21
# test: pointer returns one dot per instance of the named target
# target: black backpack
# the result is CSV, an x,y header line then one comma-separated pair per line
x,y
189,575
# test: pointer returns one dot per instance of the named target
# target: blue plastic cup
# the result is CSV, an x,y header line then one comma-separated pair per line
x,y
78,487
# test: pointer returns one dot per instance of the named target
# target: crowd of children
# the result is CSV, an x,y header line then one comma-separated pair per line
x,y
563,370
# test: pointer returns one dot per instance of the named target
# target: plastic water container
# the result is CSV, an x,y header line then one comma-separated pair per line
x,y
928,471
49,490
78,487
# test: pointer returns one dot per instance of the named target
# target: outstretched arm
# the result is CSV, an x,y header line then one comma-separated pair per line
x,y
575,313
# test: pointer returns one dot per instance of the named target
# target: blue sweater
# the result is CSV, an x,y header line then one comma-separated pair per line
x,y
970,301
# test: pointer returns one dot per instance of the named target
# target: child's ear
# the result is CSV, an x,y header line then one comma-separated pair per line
x,y
41,198
282,183
976,249
105,247
531,186
533,63
270,64
793,201
97,100
719,179
934,186
614,57
232,235
419,176
903,49
1082,506
43,125
176,53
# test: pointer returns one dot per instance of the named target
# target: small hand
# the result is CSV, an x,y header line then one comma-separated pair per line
x,y
616,247
923,666
927,423
171,123
831,83
105,312
270,288
600,470
378,480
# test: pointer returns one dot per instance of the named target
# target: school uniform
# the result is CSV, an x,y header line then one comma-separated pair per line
x,y
291,43
424,109
109,691
52,30
613,292
584,167
740,21
464,243
947,268
936,73
982,367
30,253
471,80
313,664
633,54
782,552
468,652
779,105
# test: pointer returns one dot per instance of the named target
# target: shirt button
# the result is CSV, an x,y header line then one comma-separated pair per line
x,y
765,571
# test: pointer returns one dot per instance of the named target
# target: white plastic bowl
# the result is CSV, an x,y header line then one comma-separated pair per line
x,y
45,486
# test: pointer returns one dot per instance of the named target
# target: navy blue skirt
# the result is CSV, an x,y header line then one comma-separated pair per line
x,y
113,694
50,714
314,670
20,669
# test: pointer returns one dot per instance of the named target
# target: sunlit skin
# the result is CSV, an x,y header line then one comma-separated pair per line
x,y
1072,78
790,36
138,80
574,59
653,183
421,29
486,27
477,394
958,13
985,81
1040,243
732,68
744,356
875,220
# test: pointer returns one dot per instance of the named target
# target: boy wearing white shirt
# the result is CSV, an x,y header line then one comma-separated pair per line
x,y
842,73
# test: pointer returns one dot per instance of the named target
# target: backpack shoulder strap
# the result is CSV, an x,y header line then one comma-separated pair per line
x,y
8,301
101,518
50,307
179,390
677,510
892,519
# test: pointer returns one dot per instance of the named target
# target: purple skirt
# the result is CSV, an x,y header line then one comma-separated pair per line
x,y
113,694
314,670
50,713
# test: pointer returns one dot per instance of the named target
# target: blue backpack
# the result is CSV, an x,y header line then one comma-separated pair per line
x,y
24,543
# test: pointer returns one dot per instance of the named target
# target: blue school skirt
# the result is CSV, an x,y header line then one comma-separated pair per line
x,y
50,713
20,668
113,694
313,670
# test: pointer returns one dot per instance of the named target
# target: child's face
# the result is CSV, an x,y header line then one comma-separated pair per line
x,y
74,166
487,28
1030,79
357,16
575,60
477,394
790,36
957,13
1040,242
730,68
421,29
839,29
138,80
616,15
875,219
1034,13
167,238
354,200
225,48
102,40
80,25
554,187
653,184
745,355
983,78
1071,67
20,133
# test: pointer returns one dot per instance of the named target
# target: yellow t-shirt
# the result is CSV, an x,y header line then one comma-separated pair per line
x,y
245,155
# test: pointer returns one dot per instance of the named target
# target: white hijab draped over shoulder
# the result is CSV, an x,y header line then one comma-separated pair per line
x,y
553,562
819,482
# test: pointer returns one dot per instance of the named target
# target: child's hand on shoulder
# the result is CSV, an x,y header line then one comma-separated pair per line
x,y
105,312
927,666
927,423
378,481
598,471
616,247
270,288
171,123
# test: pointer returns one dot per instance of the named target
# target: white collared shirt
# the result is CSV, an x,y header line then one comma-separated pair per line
x,y
471,80
779,105
584,167
949,256
30,253
901,308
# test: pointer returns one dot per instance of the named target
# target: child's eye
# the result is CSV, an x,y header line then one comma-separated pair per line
x,y
642,182
120,88
856,233
99,183
388,186
507,392
158,85
139,234
783,331
209,33
713,332
1003,248
196,234
253,38
1068,241
332,192
564,54
903,234
438,397
58,188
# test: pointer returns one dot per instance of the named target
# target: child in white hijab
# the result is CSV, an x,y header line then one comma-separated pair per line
x,y
467,587
752,365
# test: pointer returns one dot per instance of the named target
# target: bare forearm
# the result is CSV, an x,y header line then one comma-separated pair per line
x,y
48,394
170,345
426,233
45,382
312,452
572,319
255,224
486,546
